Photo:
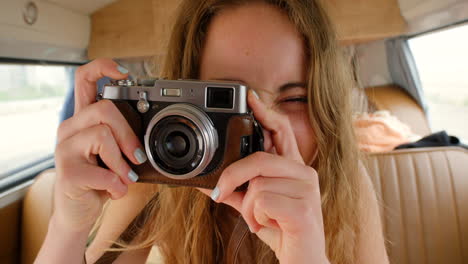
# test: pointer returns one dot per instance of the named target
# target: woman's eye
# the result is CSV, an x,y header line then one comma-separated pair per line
x,y
296,99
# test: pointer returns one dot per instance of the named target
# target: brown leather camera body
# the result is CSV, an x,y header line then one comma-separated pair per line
x,y
239,135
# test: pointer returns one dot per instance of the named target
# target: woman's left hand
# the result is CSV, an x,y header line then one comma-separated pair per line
x,y
282,204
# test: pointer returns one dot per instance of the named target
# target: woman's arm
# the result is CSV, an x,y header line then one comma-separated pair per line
x,y
62,245
116,218
371,245
82,187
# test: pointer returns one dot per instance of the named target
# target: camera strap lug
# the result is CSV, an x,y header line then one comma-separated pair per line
x,y
143,104
257,138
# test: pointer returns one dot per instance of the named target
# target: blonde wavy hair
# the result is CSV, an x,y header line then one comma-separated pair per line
x,y
184,223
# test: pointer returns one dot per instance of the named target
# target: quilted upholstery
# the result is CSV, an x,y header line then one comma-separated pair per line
x,y
424,203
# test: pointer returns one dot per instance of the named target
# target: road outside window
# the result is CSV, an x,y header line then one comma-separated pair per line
x,y
31,97
442,61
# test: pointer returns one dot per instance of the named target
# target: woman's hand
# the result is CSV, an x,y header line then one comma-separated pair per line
x,y
99,128
282,204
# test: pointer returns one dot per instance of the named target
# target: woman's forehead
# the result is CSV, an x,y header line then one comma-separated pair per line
x,y
254,40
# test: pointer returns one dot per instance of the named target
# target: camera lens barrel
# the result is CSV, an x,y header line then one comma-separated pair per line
x,y
180,141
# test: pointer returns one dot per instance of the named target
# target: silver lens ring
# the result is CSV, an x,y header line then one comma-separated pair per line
x,y
208,134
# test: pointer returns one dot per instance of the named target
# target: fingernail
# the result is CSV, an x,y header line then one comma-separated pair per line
x,y
133,176
140,156
256,95
250,228
215,194
122,69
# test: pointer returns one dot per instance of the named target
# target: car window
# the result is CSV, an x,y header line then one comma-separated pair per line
x,y
31,98
442,61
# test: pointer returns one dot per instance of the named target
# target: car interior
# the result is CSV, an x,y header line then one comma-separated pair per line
x,y
409,59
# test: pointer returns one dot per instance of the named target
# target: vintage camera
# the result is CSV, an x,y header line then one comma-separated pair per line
x,y
191,130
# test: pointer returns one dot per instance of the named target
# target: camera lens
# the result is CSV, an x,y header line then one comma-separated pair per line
x,y
180,141
177,144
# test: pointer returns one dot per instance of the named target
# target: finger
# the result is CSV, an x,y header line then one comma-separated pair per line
x,y
278,125
86,77
291,215
89,177
104,180
98,140
294,189
234,200
262,164
248,213
105,112
205,191
268,142
271,236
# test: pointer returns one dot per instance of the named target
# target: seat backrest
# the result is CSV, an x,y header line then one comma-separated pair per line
x,y
401,105
37,210
424,198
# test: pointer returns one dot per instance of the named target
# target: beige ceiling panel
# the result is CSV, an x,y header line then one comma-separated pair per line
x,y
82,6
360,21
128,28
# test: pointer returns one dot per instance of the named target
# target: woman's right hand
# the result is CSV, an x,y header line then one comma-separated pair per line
x,y
99,128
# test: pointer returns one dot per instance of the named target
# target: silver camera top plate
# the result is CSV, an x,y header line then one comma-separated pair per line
x,y
180,91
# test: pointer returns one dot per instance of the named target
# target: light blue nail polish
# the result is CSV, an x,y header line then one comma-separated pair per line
x,y
122,69
256,95
140,156
215,194
133,176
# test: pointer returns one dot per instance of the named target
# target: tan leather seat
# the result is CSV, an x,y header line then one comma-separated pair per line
x,y
37,210
400,104
424,198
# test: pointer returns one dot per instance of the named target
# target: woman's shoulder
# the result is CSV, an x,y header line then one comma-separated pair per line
x,y
117,215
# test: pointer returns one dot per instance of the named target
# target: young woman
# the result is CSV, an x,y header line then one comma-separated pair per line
x,y
308,199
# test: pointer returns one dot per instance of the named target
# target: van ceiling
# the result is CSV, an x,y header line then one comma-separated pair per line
x,y
414,8
409,8
85,7
425,15
50,38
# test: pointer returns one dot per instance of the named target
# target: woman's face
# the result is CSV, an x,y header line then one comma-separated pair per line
x,y
257,45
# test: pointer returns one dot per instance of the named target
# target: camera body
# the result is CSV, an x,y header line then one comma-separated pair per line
x,y
191,130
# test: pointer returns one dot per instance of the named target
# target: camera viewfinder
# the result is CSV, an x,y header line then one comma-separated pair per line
x,y
218,97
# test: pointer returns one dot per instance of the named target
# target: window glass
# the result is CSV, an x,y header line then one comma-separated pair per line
x,y
442,61
31,97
